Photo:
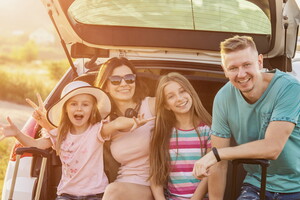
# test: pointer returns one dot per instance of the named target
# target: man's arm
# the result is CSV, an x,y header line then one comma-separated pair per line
x,y
218,172
269,148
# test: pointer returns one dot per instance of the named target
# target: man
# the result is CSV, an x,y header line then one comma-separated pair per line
x,y
261,111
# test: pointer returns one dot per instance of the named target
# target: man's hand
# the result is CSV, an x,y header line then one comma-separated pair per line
x,y
201,166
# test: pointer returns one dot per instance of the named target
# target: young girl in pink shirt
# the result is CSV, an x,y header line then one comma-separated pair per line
x,y
78,138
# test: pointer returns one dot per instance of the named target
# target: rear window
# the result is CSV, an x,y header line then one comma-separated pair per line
x,y
240,16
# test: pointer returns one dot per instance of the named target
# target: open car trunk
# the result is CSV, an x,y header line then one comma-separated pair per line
x,y
92,29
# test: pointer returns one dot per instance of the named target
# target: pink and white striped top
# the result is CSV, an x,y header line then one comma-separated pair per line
x,y
185,150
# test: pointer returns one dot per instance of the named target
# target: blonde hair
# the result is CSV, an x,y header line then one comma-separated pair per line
x,y
165,122
236,43
65,124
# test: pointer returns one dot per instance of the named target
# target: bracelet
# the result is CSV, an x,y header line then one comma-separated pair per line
x,y
215,151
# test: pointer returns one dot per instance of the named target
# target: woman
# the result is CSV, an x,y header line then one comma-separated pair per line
x,y
118,78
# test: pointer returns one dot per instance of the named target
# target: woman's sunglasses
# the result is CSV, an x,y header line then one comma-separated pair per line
x,y
128,78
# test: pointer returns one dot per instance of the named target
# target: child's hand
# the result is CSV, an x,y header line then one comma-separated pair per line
x,y
140,121
9,130
39,113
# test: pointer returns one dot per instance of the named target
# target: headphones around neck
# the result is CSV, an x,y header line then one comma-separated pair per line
x,y
129,112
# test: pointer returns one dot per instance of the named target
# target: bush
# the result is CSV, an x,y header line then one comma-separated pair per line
x,y
16,86
26,53
57,69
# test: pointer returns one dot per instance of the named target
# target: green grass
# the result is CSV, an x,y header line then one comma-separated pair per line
x,y
5,148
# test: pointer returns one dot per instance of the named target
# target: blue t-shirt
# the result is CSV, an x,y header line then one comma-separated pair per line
x,y
233,116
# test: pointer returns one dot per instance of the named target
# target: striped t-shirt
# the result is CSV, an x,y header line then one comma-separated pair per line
x,y
184,152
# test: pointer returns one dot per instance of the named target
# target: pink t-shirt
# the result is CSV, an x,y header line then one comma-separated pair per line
x,y
82,162
131,150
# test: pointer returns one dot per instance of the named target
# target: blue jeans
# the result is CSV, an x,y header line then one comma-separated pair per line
x,y
251,192
73,197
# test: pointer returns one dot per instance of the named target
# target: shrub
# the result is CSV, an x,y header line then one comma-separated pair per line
x,y
57,69
16,86
26,53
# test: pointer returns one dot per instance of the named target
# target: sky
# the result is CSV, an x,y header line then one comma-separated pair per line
x,y
26,15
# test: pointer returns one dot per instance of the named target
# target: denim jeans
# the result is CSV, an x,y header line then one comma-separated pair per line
x,y
251,192
72,197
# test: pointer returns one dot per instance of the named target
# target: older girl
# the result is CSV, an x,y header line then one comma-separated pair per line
x,y
181,137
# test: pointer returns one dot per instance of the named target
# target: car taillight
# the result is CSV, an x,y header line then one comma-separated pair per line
x,y
30,128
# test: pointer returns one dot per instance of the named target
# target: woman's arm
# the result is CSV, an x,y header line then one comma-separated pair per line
x,y
11,130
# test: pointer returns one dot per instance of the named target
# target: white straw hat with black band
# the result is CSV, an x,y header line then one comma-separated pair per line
x,y
72,89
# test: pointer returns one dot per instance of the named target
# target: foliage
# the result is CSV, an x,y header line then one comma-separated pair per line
x,y
5,149
17,83
26,53
18,49
57,69
25,70
16,86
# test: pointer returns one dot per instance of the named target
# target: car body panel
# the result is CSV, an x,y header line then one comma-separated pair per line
x,y
24,183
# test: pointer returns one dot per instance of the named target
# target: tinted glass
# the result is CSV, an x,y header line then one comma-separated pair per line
x,y
239,16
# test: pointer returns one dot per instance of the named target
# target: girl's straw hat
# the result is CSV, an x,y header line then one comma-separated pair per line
x,y
75,88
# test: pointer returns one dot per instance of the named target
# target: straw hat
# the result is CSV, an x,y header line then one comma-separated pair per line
x,y
72,89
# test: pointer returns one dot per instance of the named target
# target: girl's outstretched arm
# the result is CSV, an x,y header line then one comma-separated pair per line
x,y
10,130
123,124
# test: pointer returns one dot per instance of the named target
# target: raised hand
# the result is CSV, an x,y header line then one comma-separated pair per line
x,y
39,113
140,121
9,130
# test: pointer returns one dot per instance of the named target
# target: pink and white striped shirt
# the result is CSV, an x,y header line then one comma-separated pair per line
x,y
185,150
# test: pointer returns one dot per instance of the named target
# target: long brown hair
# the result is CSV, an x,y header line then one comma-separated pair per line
x,y
165,122
107,68
65,124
